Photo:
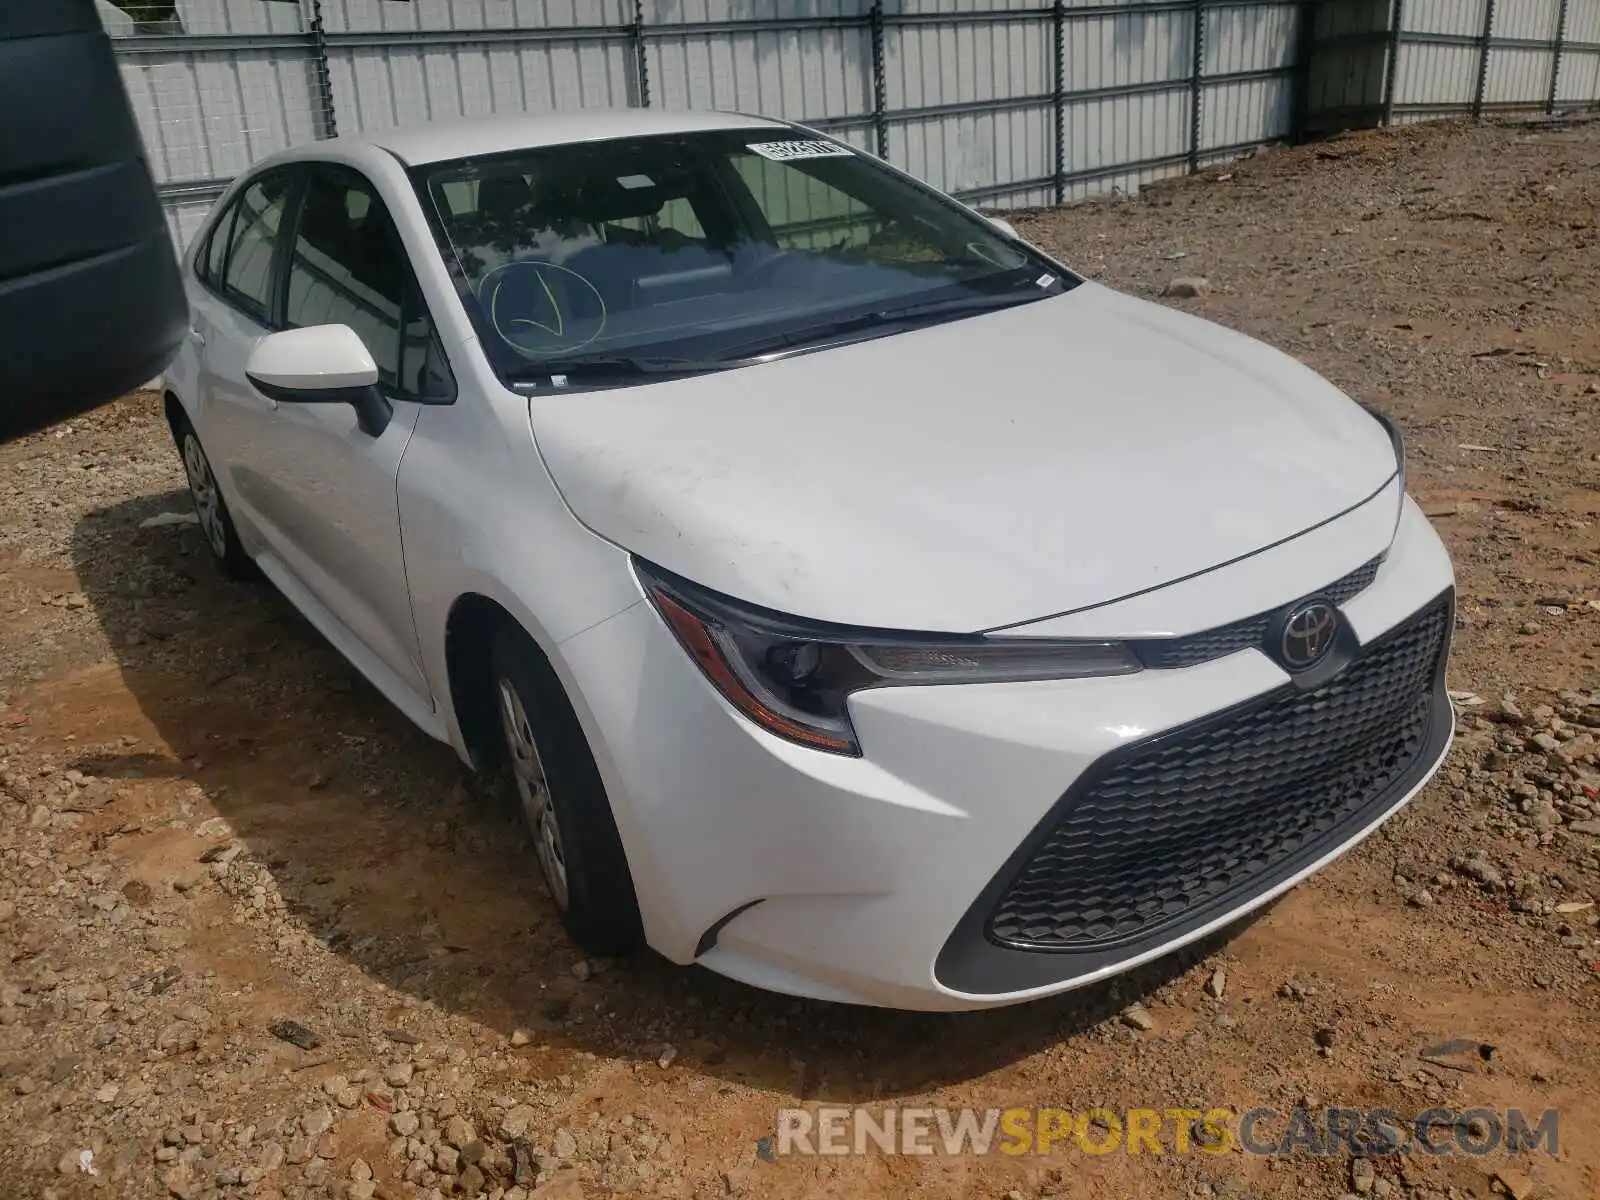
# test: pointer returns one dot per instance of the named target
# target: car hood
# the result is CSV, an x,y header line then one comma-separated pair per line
x,y
979,473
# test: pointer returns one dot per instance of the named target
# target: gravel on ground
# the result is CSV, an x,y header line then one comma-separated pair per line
x,y
258,939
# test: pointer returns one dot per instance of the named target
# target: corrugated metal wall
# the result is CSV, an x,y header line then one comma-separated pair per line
x,y
229,82
1495,56
1005,102
1346,69
1008,64
1256,47
1579,81
1521,75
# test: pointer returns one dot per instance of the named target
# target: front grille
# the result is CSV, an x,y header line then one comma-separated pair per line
x,y
1208,644
1203,815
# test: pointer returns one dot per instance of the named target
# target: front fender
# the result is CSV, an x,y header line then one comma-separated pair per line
x,y
480,515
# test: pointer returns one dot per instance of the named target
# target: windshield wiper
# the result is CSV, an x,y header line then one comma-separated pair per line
x,y
911,314
743,354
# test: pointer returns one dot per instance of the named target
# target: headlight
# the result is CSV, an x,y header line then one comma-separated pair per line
x,y
793,677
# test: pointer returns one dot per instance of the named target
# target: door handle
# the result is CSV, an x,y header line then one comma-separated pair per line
x,y
197,338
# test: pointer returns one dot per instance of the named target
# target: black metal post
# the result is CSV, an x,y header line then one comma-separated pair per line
x,y
641,59
1555,61
1391,67
880,86
1483,60
1304,52
1195,84
1058,17
327,123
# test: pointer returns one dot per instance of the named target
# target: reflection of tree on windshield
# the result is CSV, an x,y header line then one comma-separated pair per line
x,y
485,240
896,243
488,240
504,222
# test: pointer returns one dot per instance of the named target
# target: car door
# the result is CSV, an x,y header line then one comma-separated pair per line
x,y
322,491
332,503
231,311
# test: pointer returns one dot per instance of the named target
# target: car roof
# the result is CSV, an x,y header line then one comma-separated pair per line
x,y
469,137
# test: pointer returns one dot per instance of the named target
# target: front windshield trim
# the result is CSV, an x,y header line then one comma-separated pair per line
x,y
707,333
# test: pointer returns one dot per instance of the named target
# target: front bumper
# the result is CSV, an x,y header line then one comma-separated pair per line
x,y
876,880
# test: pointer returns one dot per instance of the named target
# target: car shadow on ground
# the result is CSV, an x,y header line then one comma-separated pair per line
x,y
380,851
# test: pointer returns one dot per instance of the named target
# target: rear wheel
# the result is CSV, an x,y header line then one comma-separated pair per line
x,y
563,800
215,522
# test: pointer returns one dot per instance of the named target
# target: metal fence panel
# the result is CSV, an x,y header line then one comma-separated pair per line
x,y
210,115
1348,62
380,87
1531,58
194,17
1583,23
1528,20
387,16
1256,38
953,7
1435,75
1103,134
1463,18
979,154
1122,49
667,12
1004,101
861,137
1580,77
1246,113
801,74
1517,76
928,64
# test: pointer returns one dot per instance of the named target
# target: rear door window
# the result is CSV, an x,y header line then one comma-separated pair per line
x,y
208,262
252,245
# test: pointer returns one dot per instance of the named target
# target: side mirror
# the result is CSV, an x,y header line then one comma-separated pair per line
x,y
1004,227
321,364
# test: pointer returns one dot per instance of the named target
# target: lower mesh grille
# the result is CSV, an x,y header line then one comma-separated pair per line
x,y
1194,818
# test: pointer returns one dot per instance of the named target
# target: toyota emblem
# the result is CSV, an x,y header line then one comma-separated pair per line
x,y
1308,634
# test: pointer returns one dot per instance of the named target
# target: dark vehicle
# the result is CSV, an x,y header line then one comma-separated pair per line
x,y
91,303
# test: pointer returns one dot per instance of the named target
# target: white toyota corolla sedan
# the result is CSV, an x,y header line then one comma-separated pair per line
x,y
864,605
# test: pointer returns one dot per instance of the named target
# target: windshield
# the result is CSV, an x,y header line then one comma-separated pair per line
x,y
701,250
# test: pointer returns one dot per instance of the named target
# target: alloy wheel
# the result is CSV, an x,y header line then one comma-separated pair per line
x,y
527,768
207,500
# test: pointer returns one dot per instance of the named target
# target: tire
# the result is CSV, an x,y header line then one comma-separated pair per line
x,y
563,801
216,523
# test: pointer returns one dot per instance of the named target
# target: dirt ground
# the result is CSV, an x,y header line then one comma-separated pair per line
x,y
209,823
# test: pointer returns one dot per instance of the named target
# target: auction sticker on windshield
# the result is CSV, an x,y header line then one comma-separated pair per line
x,y
805,148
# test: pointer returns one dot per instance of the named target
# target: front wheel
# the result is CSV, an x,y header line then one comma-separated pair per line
x,y
215,521
563,801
